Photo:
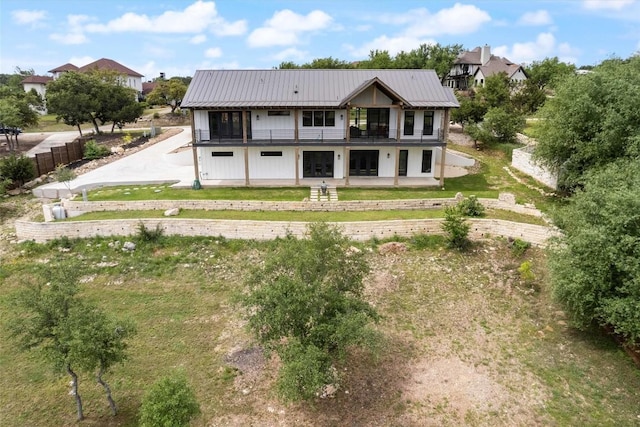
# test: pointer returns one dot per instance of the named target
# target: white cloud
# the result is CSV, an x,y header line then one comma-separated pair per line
x,y
75,35
291,53
200,38
539,17
28,16
606,4
213,52
285,27
458,19
198,17
393,45
80,61
544,46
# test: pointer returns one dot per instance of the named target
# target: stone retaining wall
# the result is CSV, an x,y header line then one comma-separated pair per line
x,y
267,230
522,159
76,207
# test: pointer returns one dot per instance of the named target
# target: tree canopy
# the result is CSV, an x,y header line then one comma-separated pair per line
x,y
78,98
168,92
306,304
595,265
592,120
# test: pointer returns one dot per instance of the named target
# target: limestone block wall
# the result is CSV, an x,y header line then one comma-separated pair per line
x,y
522,160
248,205
266,230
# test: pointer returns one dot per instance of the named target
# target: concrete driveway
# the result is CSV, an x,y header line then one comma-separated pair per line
x,y
157,164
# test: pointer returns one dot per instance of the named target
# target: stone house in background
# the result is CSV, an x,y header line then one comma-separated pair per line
x,y
474,66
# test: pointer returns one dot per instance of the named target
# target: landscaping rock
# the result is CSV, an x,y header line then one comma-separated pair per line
x,y
172,212
129,246
507,198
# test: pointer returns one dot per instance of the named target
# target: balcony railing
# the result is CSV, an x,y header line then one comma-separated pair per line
x,y
320,135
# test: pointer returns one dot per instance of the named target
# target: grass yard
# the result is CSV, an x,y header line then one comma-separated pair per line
x,y
468,341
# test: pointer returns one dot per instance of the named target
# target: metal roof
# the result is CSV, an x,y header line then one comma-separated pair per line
x,y
311,88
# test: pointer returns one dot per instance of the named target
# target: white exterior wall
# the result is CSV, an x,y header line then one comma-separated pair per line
x,y
322,132
264,126
272,167
221,167
518,76
39,87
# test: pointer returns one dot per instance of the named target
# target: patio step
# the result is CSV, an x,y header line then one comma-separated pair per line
x,y
317,196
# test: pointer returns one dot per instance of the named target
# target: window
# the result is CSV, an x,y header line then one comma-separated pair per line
x,y
427,129
409,118
427,156
222,154
278,113
307,118
319,118
271,153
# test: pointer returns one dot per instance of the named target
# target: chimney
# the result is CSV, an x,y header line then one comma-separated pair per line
x,y
485,54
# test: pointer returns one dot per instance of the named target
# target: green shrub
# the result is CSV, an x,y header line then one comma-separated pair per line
x,y
456,229
17,169
525,271
93,150
156,115
169,402
519,247
471,206
426,241
150,235
4,183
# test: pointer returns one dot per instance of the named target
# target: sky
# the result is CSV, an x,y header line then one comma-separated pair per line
x,y
177,37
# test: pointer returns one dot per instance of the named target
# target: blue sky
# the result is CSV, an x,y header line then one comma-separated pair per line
x,y
178,37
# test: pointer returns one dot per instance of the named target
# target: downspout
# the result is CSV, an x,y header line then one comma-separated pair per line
x,y
193,144
445,136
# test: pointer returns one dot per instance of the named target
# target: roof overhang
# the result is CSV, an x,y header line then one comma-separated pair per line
x,y
374,82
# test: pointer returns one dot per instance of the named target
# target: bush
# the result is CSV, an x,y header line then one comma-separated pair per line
x,y
4,183
150,235
93,150
519,247
169,402
156,115
471,206
525,271
17,169
456,229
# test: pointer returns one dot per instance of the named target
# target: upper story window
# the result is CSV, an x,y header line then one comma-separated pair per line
x,y
319,118
427,129
409,120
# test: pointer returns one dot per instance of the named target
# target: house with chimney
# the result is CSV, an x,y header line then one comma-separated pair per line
x,y
471,68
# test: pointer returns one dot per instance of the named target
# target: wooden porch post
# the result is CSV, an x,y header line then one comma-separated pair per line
x,y
347,124
194,150
347,155
246,149
397,160
397,165
296,138
445,137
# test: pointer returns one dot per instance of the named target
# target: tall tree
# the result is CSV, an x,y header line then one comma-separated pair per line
x,y
18,110
74,98
70,333
305,303
548,72
168,92
595,265
591,121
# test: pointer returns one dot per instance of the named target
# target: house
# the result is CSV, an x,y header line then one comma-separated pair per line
x,y
130,78
474,66
39,84
303,125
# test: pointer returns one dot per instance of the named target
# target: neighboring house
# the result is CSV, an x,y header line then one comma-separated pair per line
x,y
307,124
39,84
474,66
130,78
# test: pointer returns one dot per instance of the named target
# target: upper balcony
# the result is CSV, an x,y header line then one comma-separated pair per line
x,y
380,136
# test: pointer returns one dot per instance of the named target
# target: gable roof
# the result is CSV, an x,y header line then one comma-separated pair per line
x,y
499,65
469,57
109,64
37,80
65,67
312,88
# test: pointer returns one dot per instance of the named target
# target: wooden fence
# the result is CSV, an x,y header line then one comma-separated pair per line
x,y
69,152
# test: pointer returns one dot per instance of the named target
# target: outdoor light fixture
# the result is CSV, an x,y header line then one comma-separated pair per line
x,y
258,117
388,155
338,156
341,117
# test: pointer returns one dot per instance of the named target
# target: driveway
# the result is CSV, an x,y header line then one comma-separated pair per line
x,y
157,164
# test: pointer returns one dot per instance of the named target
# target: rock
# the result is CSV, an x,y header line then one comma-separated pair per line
x,y
15,192
392,248
353,250
129,246
507,198
459,197
328,391
172,212
117,150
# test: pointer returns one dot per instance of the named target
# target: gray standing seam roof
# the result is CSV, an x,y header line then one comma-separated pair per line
x,y
309,88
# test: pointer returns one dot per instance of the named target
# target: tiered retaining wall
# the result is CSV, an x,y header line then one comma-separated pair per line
x,y
266,230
